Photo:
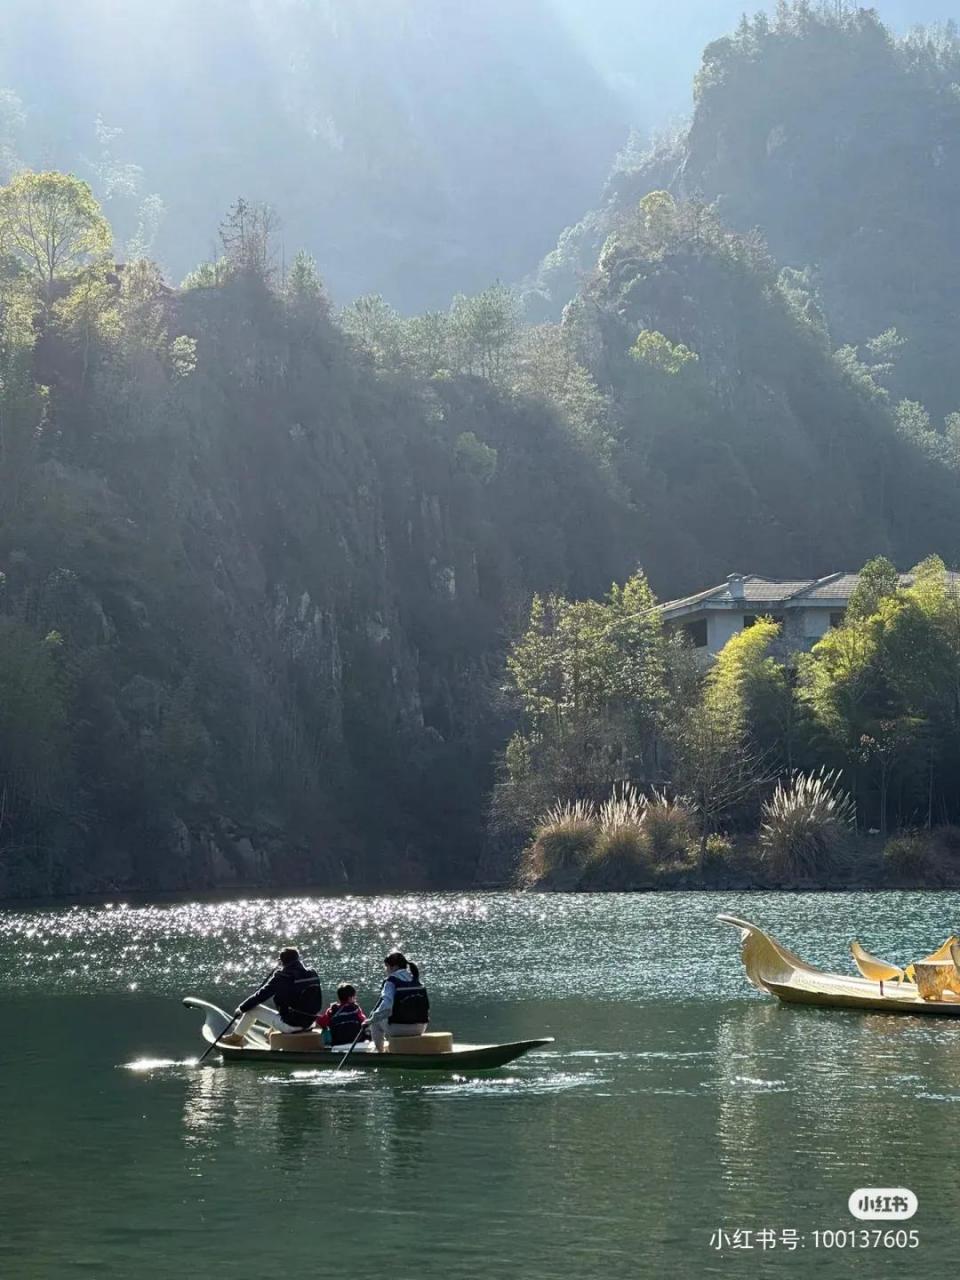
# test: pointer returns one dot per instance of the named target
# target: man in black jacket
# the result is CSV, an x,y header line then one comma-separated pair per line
x,y
295,991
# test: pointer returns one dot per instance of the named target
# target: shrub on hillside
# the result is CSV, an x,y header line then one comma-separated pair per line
x,y
719,852
561,846
923,858
806,825
908,858
620,858
620,861
669,827
624,808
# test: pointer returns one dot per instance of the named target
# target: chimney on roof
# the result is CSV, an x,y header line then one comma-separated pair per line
x,y
735,585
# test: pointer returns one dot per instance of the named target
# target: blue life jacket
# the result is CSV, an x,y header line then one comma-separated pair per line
x,y
296,992
298,995
410,1000
345,1022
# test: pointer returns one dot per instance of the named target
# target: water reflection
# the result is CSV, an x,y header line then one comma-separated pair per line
x,y
675,1097
205,1105
816,1103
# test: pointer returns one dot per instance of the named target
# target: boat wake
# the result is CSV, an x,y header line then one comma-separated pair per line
x,y
757,1082
333,1079
509,1086
157,1064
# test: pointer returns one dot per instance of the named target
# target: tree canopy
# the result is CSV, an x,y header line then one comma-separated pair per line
x,y
53,225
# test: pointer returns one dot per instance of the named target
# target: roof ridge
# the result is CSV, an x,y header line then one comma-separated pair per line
x,y
814,583
694,599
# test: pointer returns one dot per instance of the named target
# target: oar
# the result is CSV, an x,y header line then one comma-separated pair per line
x,y
350,1050
211,1047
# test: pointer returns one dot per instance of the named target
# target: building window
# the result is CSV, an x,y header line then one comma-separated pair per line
x,y
836,619
697,633
750,618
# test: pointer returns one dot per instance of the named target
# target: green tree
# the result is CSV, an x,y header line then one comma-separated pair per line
x,y
548,369
716,765
484,329
144,310
247,234
88,315
658,352
658,215
886,748
53,225
304,288
207,275
640,649
474,457
740,666
919,645
591,680
425,343
377,327
884,689
840,681
878,580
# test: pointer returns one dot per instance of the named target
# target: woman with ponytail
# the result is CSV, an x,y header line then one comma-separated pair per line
x,y
404,1006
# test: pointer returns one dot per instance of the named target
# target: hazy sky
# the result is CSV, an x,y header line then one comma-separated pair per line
x,y
416,147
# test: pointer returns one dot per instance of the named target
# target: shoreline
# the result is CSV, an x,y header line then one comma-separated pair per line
x,y
148,897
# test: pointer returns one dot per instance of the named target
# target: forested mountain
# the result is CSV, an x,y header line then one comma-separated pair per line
x,y
741,436
841,143
263,559
261,565
416,149
255,589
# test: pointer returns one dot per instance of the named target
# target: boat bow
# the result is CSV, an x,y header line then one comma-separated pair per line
x,y
215,1021
768,963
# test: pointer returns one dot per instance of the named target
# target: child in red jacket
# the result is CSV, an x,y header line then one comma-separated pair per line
x,y
345,1018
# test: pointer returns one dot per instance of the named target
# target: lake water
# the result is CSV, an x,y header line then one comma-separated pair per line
x,y
676,1101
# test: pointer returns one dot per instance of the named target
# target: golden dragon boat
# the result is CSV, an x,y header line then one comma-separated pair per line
x,y
929,987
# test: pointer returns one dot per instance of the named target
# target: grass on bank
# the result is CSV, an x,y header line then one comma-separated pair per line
x,y
626,843
562,844
806,827
807,838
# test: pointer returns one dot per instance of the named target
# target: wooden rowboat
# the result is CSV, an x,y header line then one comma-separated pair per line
x,y
286,1049
773,968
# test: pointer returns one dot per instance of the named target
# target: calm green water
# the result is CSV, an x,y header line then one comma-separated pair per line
x,y
676,1100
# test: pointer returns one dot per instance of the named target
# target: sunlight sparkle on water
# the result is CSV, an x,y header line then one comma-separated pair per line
x,y
210,945
157,1064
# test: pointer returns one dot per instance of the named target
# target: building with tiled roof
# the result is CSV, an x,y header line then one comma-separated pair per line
x,y
806,608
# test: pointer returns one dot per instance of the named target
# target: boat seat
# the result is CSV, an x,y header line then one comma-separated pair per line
x,y
309,1040
429,1042
875,969
943,952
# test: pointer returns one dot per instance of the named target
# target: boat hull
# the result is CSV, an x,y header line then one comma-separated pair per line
x,y
909,1002
774,969
479,1057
